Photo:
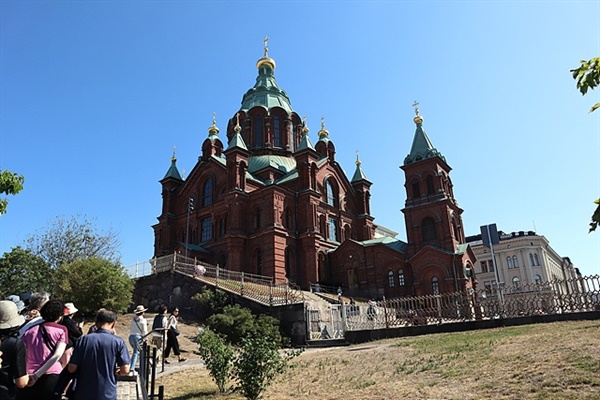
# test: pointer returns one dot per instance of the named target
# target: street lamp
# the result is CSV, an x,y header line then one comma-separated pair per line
x,y
190,207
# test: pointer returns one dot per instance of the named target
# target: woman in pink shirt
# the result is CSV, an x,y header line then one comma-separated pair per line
x,y
45,344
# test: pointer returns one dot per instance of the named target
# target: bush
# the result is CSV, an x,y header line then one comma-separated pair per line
x,y
217,356
94,283
257,364
236,323
208,302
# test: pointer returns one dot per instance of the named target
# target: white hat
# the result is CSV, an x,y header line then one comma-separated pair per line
x,y
70,309
139,309
9,316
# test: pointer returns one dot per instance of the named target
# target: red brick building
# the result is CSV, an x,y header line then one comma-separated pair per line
x,y
263,199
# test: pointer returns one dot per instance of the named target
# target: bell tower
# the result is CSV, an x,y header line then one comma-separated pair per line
x,y
431,212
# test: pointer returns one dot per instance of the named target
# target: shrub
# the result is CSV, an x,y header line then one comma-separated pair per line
x,y
257,364
236,323
217,356
208,302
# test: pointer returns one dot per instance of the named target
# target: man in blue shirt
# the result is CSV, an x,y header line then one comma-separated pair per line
x,y
95,359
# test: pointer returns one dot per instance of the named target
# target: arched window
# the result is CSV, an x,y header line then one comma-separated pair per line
x,y
258,262
276,132
435,285
537,279
207,192
391,282
206,229
330,193
430,187
400,277
258,131
515,262
333,229
509,262
428,229
531,262
535,258
516,281
416,190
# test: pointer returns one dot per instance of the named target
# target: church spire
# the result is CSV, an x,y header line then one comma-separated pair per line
x,y
213,131
422,147
173,172
359,175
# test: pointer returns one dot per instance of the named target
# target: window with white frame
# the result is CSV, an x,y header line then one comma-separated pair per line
x,y
435,285
515,262
509,262
401,277
516,281
391,282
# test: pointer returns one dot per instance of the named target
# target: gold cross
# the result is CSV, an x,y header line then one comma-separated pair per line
x,y
416,106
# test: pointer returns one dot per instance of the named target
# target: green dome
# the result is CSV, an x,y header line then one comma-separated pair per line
x,y
265,92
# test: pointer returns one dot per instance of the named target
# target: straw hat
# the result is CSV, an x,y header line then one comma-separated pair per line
x,y
139,309
70,309
9,316
17,300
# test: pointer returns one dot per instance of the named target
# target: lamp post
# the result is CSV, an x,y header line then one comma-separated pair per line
x,y
190,207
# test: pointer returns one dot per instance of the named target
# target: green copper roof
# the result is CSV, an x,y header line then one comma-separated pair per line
x,y
392,243
265,92
237,141
359,175
284,164
305,143
422,147
173,172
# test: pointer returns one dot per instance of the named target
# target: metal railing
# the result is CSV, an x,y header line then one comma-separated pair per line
x,y
148,368
554,297
259,288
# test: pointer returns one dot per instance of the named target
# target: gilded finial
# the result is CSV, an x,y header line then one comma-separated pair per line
x,y
357,160
173,158
418,119
266,43
213,130
237,127
323,132
266,60
304,127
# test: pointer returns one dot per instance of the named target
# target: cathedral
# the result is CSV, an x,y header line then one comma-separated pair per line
x,y
265,200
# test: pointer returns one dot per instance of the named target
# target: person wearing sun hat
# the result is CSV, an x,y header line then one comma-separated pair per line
x,y
74,330
138,330
13,375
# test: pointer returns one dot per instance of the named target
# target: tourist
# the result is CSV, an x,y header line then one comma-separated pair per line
x,y
45,343
13,374
36,302
138,330
172,333
159,326
74,329
94,359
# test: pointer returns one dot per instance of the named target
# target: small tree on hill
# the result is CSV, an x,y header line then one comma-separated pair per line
x,y
66,240
258,362
217,355
94,283
22,271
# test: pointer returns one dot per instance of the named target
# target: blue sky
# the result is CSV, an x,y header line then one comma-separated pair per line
x,y
95,94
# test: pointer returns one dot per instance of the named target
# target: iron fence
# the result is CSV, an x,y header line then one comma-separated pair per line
x,y
553,297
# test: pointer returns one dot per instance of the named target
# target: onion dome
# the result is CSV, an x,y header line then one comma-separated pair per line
x,y
213,131
265,92
323,133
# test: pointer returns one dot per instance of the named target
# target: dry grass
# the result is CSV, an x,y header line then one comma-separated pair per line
x,y
544,361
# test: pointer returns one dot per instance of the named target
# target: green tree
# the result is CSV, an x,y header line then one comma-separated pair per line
x,y
258,362
587,77
22,271
10,183
66,240
93,283
217,355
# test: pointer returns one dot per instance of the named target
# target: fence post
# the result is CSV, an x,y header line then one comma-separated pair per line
x,y
271,294
217,277
385,312
242,285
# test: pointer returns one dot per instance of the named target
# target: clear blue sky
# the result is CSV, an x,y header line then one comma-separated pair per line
x,y
95,94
